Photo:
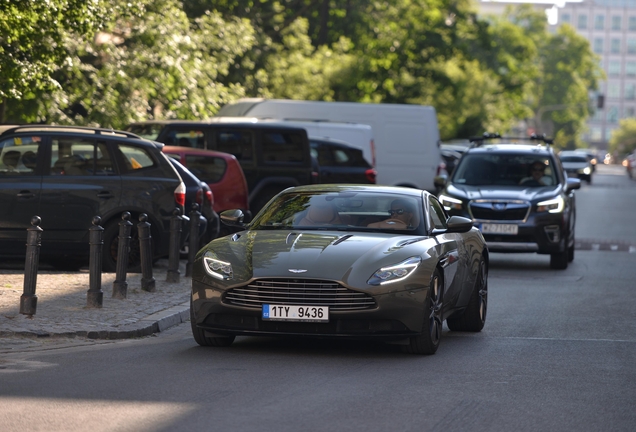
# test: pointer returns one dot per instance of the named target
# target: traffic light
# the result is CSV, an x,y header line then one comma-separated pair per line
x,y
600,101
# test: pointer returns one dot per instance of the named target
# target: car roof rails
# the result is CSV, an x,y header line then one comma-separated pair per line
x,y
479,140
63,128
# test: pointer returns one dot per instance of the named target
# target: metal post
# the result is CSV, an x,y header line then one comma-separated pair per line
x,y
193,241
145,250
173,274
95,295
120,286
29,300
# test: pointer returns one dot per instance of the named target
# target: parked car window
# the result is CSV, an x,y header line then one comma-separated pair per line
x,y
72,156
18,156
208,169
149,130
282,147
191,138
238,143
136,157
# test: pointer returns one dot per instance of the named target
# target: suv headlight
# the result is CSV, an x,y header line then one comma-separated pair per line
x,y
450,203
217,268
554,205
396,272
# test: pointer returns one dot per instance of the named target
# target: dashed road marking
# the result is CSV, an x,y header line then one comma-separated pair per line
x,y
605,245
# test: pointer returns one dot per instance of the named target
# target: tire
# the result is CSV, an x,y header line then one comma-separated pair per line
x,y
473,318
203,340
111,245
559,260
571,253
428,341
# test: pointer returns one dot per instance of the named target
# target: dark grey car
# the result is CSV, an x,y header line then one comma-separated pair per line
x,y
68,175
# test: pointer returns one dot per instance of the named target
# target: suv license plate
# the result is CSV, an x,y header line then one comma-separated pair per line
x,y
274,312
509,229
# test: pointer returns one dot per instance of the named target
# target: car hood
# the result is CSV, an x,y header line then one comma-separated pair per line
x,y
350,258
502,192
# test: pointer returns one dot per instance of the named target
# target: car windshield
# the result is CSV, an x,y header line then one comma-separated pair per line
x,y
524,170
574,158
343,211
147,130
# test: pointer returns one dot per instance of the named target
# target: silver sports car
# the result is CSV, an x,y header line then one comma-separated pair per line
x,y
342,261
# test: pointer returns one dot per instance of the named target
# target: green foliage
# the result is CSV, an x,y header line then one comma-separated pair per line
x,y
623,140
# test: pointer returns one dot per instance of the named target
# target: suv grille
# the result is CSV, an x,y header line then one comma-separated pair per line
x,y
499,210
299,292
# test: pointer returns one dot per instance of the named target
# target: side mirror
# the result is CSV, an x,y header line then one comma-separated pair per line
x,y
459,224
440,181
572,183
233,217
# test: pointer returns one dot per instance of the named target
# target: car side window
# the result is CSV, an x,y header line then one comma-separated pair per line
x,y
79,157
185,137
136,158
207,169
237,143
436,214
18,155
282,147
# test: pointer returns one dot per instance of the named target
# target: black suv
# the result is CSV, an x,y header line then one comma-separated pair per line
x,y
518,195
273,157
340,162
67,175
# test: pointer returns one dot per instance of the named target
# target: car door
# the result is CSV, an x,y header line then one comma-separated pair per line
x,y
20,188
450,252
81,182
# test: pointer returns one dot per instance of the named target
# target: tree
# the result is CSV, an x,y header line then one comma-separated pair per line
x,y
623,140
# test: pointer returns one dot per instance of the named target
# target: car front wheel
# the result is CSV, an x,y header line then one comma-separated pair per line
x,y
202,339
428,341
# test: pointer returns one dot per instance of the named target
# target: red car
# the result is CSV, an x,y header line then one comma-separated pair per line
x,y
221,171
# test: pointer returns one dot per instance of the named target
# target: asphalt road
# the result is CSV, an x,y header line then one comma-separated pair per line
x,y
558,353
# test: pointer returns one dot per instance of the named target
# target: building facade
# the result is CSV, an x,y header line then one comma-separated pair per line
x,y
610,27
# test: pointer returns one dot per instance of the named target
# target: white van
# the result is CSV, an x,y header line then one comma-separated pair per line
x,y
406,137
355,134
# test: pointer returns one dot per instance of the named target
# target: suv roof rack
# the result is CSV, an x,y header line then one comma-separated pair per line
x,y
479,140
62,128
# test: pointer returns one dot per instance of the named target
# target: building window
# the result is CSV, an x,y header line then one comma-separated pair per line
x,y
565,18
598,45
599,22
612,114
614,67
616,22
629,112
615,46
608,134
596,133
631,46
630,68
598,115
632,23
582,25
613,90
630,91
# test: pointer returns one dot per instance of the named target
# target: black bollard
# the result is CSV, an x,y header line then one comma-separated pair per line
x,y
95,295
145,251
120,286
193,241
29,300
173,274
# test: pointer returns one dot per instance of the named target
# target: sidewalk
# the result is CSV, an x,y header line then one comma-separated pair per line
x,y
61,305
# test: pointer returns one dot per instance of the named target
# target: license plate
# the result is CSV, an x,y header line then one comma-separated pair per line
x,y
508,229
274,312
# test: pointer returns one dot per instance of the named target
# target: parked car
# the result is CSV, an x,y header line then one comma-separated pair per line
x,y
220,171
354,261
67,175
339,162
577,164
273,157
198,192
518,195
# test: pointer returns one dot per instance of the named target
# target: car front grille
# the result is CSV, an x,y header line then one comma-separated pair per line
x,y
299,292
499,210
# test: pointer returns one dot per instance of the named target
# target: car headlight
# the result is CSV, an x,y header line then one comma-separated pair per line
x,y
217,268
554,205
585,170
395,273
450,203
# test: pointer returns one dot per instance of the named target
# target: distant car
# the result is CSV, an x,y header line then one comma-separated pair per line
x,y
352,261
630,165
451,158
221,171
577,165
339,162
69,174
518,195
